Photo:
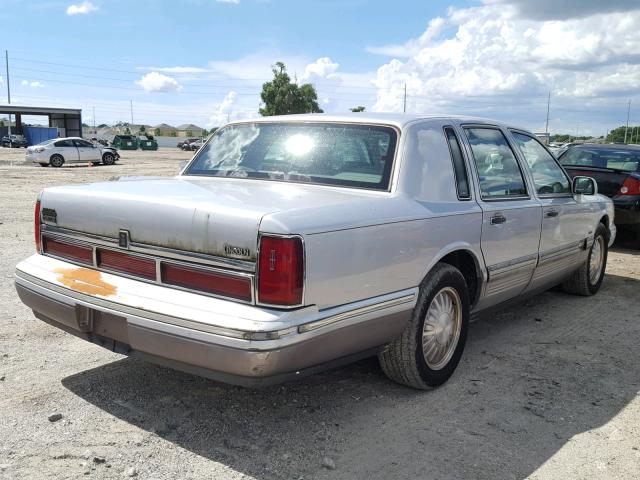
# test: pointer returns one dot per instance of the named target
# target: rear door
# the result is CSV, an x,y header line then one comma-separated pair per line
x,y
87,151
566,220
511,216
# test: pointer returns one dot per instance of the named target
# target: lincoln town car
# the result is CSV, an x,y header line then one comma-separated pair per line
x,y
297,243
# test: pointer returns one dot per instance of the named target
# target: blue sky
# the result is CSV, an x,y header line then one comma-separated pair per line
x,y
203,61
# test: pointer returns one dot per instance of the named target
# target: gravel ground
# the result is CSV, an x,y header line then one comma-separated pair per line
x,y
547,389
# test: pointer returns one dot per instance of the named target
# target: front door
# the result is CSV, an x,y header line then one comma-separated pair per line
x,y
87,151
511,216
565,219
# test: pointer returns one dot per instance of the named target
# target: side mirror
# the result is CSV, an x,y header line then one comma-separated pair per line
x,y
584,186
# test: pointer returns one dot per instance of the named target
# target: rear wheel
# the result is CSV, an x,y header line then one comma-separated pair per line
x,y
56,161
429,350
586,281
108,159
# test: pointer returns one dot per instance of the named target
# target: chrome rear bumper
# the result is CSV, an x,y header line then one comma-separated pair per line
x,y
215,338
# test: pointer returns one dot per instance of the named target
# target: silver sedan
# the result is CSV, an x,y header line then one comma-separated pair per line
x,y
58,151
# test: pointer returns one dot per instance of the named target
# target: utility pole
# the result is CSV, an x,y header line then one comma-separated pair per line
x,y
546,127
94,120
6,59
627,127
131,104
404,105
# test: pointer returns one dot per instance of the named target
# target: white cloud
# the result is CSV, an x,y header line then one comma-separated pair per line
x,y
322,68
81,9
224,111
491,59
157,82
34,83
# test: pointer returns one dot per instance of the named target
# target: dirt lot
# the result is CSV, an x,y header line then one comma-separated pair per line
x,y
548,389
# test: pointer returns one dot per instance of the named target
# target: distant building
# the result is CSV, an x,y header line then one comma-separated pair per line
x,y
544,137
189,130
163,129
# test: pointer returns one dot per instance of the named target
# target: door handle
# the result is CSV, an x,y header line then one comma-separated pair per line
x,y
498,219
551,213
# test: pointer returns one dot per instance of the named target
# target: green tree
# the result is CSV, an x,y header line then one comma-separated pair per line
x,y
173,133
127,131
142,130
281,96
205,132
617,134
357,109
1,122
157,132
189,133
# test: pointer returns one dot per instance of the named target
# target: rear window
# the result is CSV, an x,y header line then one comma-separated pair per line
x,y
614,158
359,156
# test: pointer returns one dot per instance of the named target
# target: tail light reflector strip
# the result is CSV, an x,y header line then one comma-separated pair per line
x,y
71,251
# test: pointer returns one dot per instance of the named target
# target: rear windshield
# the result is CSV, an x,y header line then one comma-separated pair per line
x,y
358,156
614,158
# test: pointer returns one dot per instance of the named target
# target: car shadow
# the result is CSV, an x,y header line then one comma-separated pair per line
x,y
531,378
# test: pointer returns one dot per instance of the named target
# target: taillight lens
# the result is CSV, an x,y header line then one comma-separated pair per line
x,y
36,223
631,186
281,271
70,251
125,263
218,283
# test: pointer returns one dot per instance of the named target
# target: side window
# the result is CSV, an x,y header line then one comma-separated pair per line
x,y
462,182
82,143
64,143
548,177
498,170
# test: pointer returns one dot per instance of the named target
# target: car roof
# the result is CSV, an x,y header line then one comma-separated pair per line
x,y
399,120
608,146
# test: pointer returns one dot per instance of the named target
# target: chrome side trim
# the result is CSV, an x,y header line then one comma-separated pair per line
x,y
151,250
562,251
308,327
510,266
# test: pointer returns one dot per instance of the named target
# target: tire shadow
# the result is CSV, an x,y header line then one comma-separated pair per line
x,y
531,378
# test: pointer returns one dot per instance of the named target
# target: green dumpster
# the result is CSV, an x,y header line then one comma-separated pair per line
x,y
125,142
147,143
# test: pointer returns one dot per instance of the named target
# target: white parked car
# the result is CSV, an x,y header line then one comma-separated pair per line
x,y
58,151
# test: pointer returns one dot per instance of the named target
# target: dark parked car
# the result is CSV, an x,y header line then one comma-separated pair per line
x,y
616,168
14,141
184,145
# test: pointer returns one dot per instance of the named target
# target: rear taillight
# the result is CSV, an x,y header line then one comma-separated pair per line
x,y
281,271
36,224
70,251
217,283
631,186
126,263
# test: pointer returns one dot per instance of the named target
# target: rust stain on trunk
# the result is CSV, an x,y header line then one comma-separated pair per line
x,y
86,281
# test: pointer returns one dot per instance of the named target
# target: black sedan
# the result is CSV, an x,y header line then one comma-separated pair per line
x,y
15,141
616,168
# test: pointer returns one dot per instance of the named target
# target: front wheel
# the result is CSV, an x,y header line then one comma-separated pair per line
x,y
429,350
108,159
587,280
